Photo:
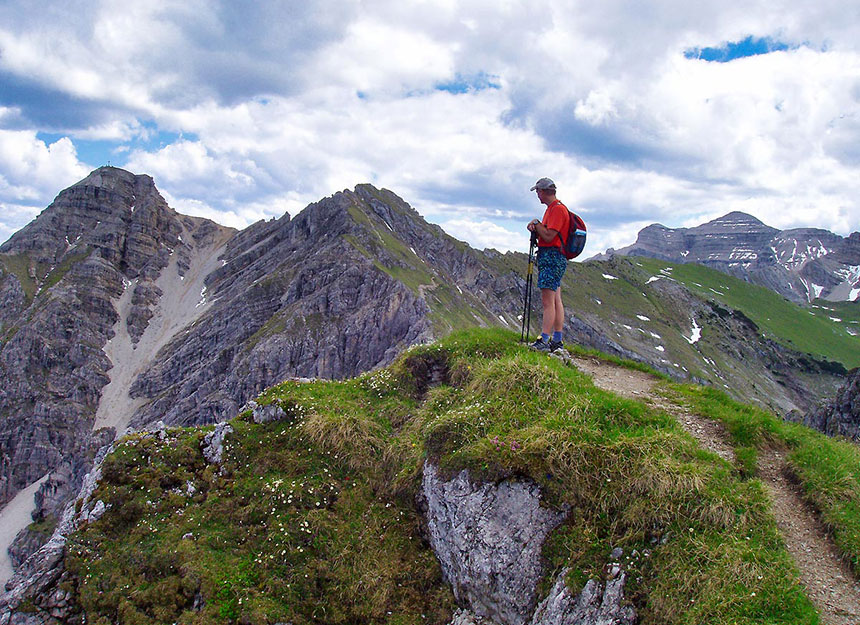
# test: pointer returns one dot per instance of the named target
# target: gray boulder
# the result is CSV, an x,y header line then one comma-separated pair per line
x,y
213,443
488,540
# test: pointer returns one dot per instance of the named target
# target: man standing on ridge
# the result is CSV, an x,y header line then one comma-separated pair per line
x,y
551,264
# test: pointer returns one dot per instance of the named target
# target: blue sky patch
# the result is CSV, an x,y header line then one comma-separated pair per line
x,y
465,84
93,153
110,152
729,51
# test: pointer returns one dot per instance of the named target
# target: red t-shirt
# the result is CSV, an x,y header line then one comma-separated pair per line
x,y
555,218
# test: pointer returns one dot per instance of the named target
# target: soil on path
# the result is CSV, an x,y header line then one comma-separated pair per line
x,y
829,581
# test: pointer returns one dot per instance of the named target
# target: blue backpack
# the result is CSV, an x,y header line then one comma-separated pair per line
x,y
574,243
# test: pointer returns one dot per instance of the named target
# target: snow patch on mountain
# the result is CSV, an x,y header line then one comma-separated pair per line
x,y
801,253
696,333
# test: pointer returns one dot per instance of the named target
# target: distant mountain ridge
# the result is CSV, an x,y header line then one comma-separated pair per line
x,y
802,264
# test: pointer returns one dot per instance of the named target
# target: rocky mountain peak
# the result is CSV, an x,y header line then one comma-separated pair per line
x,y
739,219
116,179
80,286
801,264
733,227
120,215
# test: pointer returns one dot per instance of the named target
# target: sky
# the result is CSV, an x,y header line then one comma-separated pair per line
x,y
667,111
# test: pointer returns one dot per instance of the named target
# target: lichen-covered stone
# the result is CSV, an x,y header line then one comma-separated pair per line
x,y
213,443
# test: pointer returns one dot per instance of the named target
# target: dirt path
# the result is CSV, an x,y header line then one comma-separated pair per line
x,y
828,580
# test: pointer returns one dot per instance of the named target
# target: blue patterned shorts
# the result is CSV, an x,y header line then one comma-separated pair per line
x,y
551,264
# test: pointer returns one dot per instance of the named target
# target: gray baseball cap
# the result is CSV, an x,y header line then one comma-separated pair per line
x,y
544,183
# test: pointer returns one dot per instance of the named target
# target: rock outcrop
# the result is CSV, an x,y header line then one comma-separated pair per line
x,y
598,603
213,443
488,539
38,592
841,415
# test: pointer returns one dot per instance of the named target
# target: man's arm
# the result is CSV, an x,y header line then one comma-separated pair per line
x,y
544,233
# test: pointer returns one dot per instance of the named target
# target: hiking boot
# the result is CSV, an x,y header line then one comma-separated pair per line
x,y
554,345
540,345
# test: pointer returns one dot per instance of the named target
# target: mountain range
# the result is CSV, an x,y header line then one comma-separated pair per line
x,y
802,264
119,313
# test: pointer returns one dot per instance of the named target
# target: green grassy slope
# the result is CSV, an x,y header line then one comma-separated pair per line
x,y
19,266
313,519
828,330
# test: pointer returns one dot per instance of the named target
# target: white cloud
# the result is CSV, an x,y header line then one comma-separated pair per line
x,y
597,108
366,60
29,168
30,172
15,216
483,234
279,104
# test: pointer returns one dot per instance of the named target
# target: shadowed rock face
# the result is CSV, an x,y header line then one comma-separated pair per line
x,y
841,415
801,264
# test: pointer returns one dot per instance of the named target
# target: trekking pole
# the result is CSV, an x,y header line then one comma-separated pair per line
x,y
527,303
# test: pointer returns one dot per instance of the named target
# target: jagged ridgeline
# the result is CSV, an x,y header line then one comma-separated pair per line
x,y
802,264
472,473
118,311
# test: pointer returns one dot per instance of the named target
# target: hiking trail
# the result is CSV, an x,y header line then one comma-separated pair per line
x,y
828,580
